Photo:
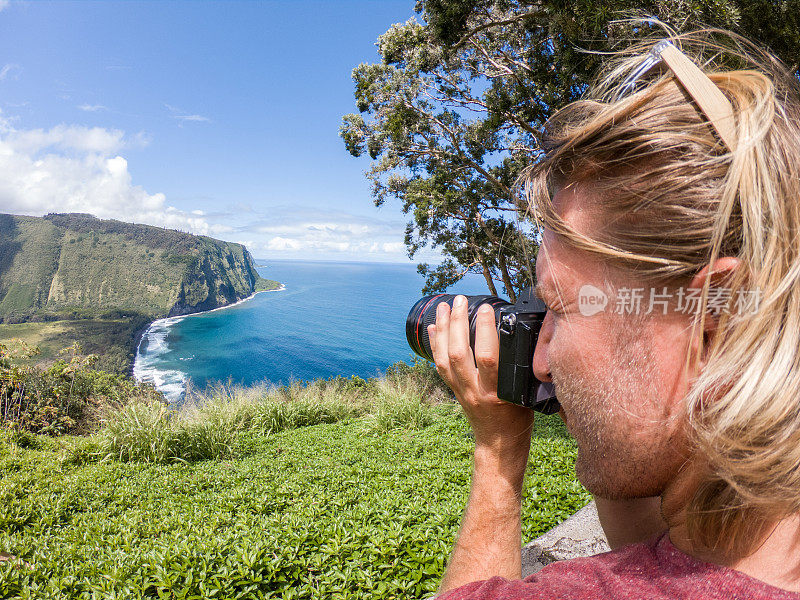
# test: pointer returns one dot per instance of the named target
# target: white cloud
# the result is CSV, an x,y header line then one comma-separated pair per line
x,y
92,107
9,69
4,4
281,243
318,229
64,138
218,228
183,116
71,168
330,234
393,247
196,118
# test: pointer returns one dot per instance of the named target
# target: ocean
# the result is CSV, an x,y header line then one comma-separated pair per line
x,y
330,319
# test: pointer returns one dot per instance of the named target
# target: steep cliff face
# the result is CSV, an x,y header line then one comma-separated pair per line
x,y
224,274
70,262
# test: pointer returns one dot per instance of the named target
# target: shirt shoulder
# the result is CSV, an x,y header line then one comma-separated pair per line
x,y
594,577
655,570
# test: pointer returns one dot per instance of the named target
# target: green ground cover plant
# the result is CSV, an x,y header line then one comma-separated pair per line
x,y
340,488
334,510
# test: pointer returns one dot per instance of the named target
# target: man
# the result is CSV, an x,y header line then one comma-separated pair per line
x,y
681,205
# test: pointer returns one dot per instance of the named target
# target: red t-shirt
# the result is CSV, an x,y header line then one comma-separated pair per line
x,y
656,570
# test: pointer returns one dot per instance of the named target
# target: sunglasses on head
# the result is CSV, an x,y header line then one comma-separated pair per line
x,y
708,97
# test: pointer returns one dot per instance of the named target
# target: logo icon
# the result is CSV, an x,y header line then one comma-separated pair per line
x,y
591,300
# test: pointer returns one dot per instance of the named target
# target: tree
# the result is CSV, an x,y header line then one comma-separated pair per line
x,y
452,113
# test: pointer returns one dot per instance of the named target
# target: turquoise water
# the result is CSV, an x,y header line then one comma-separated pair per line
x,y
332,319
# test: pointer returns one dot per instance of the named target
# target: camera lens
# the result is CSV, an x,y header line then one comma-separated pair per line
x,y
423,313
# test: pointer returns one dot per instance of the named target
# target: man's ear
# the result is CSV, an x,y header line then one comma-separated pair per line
x,y
719,273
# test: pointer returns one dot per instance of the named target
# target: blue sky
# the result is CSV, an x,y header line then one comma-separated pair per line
x,y
218,118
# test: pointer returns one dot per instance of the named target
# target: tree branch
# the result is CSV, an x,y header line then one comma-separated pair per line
x,y
491,24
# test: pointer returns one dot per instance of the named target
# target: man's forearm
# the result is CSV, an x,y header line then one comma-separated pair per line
x,y
490,539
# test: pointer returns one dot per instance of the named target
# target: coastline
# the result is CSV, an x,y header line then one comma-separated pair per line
x,y
162,325
137,339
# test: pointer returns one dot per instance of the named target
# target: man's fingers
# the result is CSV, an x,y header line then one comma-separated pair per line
x,y
441,331
487,349
458,348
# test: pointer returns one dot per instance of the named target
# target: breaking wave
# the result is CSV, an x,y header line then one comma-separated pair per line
x,y
153,346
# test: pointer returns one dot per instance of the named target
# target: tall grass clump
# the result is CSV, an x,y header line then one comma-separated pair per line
x,y
301,404
410,397
140,431
207,424
204,427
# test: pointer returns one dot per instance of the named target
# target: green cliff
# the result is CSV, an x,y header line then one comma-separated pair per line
x,y
77,267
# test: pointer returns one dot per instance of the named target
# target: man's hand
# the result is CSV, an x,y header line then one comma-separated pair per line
x,y
490,538
498,426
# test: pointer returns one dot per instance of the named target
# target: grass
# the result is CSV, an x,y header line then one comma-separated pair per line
x,y
333,489
111,339
207,425
266,285
46,336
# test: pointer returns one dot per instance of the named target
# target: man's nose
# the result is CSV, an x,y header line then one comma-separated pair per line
x,y
541,368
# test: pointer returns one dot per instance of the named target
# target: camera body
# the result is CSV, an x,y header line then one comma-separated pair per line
x,y
518,328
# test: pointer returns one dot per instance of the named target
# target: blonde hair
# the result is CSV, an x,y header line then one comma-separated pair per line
x,y
672,198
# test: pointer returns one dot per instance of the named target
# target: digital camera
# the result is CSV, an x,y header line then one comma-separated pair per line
x,y
518,329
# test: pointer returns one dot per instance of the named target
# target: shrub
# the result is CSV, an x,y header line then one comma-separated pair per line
x,y
135,424
64,398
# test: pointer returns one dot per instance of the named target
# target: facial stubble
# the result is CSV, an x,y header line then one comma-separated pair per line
x,y
614,414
